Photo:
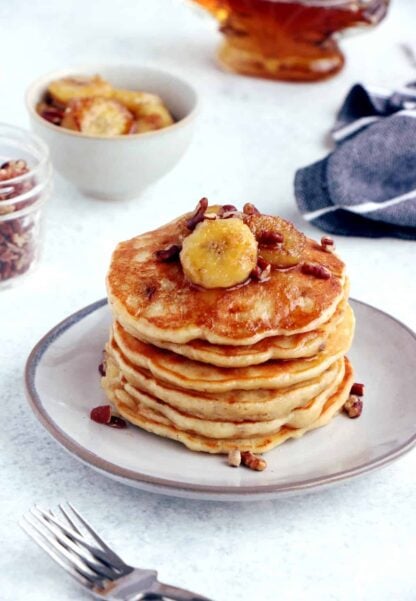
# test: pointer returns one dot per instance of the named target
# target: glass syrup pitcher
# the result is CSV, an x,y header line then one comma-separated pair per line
x,y
293,40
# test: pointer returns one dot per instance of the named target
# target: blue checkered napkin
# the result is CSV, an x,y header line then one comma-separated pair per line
x,y
367,185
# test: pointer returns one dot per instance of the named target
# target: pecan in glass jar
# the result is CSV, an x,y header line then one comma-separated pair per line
x,y
24,187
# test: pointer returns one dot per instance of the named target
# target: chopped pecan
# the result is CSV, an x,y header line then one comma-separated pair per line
x,y
262,271
228,209
117,422
168,254
254,462
50,113
327,244
250,209
353,407
316,269
357,389
17,240
17,251
11,169
232,214
101,414
265,238
234,458
101,369
6,209
198,214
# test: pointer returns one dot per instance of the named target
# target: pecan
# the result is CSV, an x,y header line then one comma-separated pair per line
x,y
11,169
16,250
101,414
357,389
353,407
18,239
117,422
7,256
262,270
198,214
230,214
6,230
250,209
234,458
327,244
101,369
228,209
17,242
17,226
51,113
168,254
262,263
53,116
315,269
269,238
254,462
5,210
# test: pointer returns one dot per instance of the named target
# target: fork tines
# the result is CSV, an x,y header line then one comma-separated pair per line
x,y
73,543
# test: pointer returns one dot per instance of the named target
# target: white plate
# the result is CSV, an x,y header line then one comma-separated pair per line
x,y
62,382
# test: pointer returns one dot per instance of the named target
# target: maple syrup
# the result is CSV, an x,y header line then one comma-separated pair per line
x,y
288,39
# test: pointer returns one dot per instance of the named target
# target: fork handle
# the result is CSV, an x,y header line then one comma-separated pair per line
x,y
166,591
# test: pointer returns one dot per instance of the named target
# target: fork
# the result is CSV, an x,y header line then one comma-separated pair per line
x,y
76,547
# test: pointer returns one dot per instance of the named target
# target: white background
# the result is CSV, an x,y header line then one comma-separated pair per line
x,y
354,542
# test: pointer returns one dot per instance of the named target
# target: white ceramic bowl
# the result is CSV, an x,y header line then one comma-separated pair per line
x,y
118,167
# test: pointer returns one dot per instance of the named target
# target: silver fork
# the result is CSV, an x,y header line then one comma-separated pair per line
x,y
73,543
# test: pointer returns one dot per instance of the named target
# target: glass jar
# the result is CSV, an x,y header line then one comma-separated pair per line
x,y
25,185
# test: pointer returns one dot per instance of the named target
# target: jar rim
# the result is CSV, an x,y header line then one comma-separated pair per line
x,y
26,194
24,211
43,151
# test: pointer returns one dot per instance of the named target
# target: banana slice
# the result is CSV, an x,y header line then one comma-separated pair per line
x,y
219,254
97,117
280,243
65,89
134,100
151,117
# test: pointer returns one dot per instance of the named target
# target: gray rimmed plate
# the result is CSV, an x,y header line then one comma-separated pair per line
x,y
62,383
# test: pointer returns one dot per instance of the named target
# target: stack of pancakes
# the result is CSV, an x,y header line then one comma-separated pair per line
x,y
221,369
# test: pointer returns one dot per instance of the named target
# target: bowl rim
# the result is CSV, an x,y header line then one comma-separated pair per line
x,y
43,80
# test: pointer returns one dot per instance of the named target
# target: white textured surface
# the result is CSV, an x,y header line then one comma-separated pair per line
x,y
352,542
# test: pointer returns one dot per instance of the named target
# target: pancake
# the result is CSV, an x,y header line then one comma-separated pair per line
x,y
229,331
297,418
297,346
155,300
235,405
194,375
153,421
